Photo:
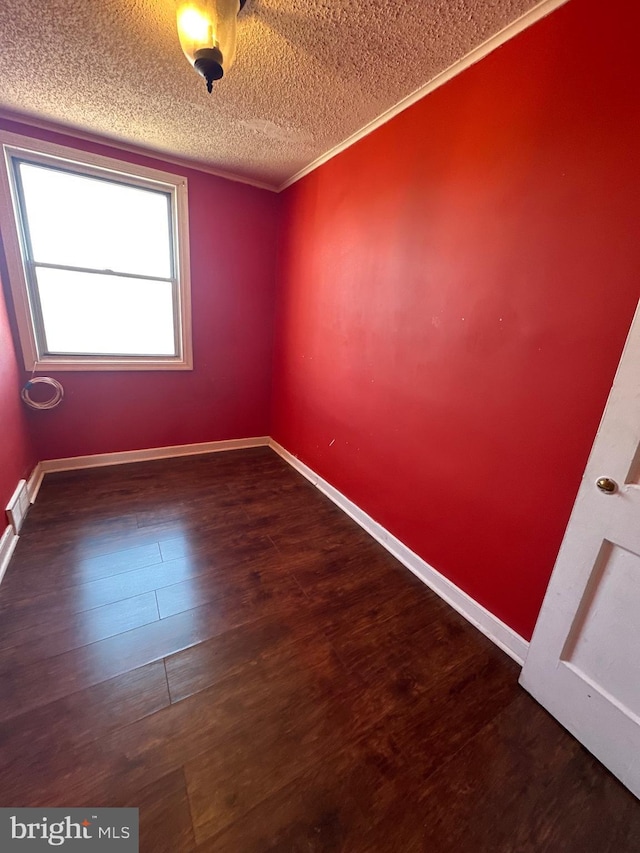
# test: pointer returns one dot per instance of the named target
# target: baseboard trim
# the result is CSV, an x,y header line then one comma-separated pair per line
x,y
496,630
8,542
100,460
492,627
34,482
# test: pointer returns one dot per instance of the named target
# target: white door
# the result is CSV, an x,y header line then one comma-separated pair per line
x,y
583,663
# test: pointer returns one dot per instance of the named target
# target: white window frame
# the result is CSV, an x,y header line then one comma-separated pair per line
x,y
19,147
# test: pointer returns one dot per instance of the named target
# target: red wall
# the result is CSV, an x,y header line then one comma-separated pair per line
x,y
455,293
17,457
227,395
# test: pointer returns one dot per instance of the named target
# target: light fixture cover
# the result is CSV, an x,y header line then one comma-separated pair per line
x,y
207,32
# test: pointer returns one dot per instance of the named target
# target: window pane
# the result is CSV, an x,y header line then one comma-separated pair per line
x,y
85,313
80,221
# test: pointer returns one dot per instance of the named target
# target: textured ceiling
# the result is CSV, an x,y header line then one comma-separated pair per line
x,y
308,73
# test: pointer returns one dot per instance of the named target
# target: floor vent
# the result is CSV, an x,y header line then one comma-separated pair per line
x,y
18,506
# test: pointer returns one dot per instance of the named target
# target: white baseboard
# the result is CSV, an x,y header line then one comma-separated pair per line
x,y
10,538
34,482
8,542
18,506
99,460
496,630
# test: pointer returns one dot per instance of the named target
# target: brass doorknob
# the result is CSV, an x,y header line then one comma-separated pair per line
x,y
606,485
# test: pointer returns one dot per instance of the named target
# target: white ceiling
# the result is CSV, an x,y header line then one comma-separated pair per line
x,y
308,73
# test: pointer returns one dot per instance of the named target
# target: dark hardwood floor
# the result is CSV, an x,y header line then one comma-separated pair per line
x,y
211,640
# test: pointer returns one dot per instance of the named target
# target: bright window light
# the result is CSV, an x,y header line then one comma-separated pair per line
x,y
80,221
102,268
106,315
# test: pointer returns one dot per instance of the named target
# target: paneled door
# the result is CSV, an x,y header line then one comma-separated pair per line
x,y
583,663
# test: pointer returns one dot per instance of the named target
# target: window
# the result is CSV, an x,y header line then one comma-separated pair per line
x,y
97,255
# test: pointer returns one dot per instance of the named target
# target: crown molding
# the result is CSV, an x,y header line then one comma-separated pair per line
x,y
119,145
535,14
541,10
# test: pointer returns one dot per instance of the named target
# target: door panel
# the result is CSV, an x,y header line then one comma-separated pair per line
x,y
583,663
607,621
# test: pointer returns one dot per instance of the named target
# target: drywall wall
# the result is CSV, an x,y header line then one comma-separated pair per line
x,y
17,456
227,395
455,292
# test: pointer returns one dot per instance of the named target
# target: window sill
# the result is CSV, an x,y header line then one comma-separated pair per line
x,y
109,364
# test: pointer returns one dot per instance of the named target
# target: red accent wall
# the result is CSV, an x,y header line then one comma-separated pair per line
x,y
227,395
17,457
455,293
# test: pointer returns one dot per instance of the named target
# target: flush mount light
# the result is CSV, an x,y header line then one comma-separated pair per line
x,y
207,31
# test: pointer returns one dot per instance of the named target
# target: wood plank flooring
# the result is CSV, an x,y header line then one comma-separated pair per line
x,y
209,639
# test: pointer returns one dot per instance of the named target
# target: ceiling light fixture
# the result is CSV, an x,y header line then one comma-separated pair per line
x,y
207,32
